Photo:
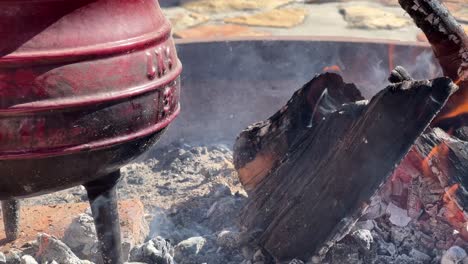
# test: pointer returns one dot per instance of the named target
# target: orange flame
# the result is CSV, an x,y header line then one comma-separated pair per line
x,y
451,192
440,151
460,109
454,214
333,68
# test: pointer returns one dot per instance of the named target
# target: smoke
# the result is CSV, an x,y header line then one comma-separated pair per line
x,y
228,85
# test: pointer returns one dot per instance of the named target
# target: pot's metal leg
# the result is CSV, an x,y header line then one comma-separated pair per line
x,y
11,215
102,196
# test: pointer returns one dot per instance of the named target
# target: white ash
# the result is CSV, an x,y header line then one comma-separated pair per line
x,y
192,198
26,259
229,239
81,237
189,192
156,251
454,255
410,221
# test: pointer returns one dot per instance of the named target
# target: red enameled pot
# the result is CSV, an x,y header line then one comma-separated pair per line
x,y
85,87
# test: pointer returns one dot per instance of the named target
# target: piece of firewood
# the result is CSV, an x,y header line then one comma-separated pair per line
x,y
445,157
261,146
326,173
450,45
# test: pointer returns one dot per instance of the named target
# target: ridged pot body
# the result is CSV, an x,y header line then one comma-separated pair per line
x,y
85,87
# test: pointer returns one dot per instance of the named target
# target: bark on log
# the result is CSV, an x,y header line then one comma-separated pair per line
x,y
335,163
450,45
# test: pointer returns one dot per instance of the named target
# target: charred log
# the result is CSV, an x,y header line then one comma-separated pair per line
x,y
327,154
261,147
450,45
446,158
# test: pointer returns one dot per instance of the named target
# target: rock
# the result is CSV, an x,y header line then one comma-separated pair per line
x,y
383,259
221,190
419,256
220,6
50,249
247,252
390,2
376,208
259,256
156,251
386,249
462,15
80,236
225,208
189,247
398,216
280,18
399,234
214,31
325,1
228,239
405,259
367,225
453,7
364,238
368,17
182,19
26,259
55,219
134,227
13,257
453,255
344,253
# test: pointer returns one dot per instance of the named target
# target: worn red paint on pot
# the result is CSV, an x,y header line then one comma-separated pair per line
x,y
75,76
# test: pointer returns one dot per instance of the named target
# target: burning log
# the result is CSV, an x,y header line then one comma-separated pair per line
x,y
311,168
270,140
446,158
450,45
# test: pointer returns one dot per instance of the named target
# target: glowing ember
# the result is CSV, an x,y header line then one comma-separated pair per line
x,y
450,192
333,68
459,110
453,213
440,151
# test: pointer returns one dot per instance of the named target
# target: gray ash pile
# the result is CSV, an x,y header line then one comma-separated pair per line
x,y
192,198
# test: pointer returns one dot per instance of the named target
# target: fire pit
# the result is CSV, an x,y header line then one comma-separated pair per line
x,y
243,81
256,87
